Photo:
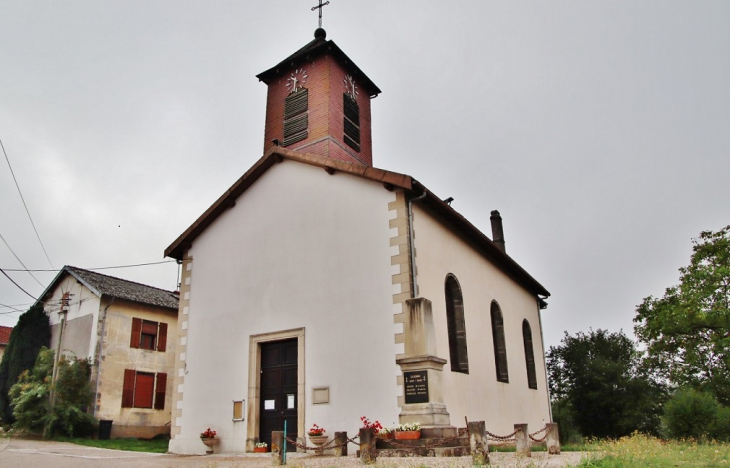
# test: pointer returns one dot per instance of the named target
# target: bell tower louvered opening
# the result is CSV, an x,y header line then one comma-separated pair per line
x,y
296,117
352,122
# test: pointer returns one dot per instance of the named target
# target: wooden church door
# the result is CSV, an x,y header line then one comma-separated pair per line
x,y
279,390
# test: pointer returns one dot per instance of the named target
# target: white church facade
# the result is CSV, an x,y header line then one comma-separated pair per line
x,y
317,286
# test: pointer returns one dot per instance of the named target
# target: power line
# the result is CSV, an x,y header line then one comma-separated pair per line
x,y
16,284
15,309
21,262
25,206
99,268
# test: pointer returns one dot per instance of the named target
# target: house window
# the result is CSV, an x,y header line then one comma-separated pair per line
x,y
529,355
143,389
456,326
296,118
147,334
500,347
352,122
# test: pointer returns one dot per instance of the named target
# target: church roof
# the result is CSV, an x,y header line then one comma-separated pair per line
x,y
104,285
319,46
391,180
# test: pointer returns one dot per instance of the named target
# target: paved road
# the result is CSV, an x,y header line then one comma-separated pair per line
x,y
20,453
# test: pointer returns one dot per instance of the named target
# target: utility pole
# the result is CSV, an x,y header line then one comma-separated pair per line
x,y
57,358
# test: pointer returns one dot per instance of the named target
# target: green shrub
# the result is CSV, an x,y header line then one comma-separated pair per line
x,y
30,397
691,413
563,416
720,428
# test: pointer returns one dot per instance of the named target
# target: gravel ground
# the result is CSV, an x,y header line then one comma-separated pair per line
x,y
500,460
23,453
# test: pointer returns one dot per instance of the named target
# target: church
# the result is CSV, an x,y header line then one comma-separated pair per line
x,y
318,288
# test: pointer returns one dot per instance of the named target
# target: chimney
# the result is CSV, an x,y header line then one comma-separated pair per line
x,y
497,233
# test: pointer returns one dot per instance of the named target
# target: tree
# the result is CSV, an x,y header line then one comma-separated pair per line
x,y
30,397
687,332
32,332
599,378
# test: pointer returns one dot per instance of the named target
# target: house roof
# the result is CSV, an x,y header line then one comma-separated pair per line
x,y
320,46
5,335
104,285
390,180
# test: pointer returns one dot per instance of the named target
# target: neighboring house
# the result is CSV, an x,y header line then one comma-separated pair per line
x,y
128,332
318,289
4,339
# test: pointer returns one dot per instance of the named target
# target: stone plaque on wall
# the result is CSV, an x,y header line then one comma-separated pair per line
x,y
415,384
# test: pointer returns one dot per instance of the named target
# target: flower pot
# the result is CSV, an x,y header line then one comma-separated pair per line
x,y
407,435
210,442
260,449
388,436
319,441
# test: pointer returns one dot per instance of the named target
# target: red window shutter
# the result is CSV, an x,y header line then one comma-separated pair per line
x,y
143,390
162,337
136,332
160,390
128,389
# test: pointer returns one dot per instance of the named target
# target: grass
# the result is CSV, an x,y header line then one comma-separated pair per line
x,y
644,451
132,445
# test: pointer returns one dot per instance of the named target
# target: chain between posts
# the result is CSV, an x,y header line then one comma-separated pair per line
x,y
507,438
437,442
328,446
532,436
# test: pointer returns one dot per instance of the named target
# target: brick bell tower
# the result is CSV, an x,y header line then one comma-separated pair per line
x,y
319,102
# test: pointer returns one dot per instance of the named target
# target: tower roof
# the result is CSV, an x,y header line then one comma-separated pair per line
x,y
319,46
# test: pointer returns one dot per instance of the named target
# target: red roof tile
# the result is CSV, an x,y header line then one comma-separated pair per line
x,y
5,334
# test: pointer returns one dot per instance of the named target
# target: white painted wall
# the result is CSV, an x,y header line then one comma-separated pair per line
x,y
83,302
300,248
478,395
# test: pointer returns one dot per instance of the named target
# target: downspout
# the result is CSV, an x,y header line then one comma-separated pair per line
x,y
544,362
99,345
412,250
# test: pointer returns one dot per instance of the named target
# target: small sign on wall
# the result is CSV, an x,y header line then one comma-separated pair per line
x,y
238,406
320,395
415,384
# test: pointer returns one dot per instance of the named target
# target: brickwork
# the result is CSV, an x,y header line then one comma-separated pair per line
x,y
182,333
401,278
326,86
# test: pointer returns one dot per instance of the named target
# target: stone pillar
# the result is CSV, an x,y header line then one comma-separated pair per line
x,y
522,441
423,402
478,443
368,452
277,448
341,444
553,439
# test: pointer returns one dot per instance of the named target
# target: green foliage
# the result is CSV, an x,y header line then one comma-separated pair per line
x,y
72,396
31,333
720,428
605,389
641,451
687,332
563,416
689,413
30,397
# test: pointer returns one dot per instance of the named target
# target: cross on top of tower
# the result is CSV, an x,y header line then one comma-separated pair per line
x,y
319,7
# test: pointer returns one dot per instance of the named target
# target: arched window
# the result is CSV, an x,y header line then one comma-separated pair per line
x,y
500,347
529,355
456,326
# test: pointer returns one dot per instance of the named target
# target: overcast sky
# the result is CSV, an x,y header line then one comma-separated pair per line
x,y
599,129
